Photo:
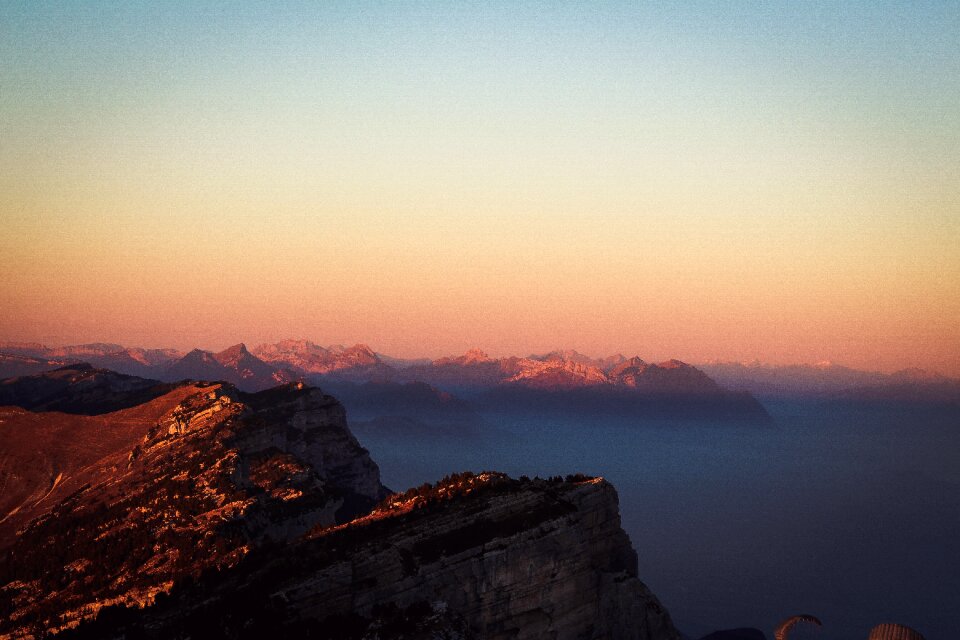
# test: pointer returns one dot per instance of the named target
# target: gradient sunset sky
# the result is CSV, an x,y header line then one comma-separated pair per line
x,y
705,180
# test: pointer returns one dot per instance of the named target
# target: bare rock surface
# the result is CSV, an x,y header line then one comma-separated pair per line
x,y
473,557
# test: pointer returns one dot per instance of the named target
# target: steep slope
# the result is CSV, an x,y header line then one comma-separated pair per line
x,y
472,557
145,496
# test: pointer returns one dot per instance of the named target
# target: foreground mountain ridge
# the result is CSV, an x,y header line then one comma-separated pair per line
x,y
471,557
243,508
118,506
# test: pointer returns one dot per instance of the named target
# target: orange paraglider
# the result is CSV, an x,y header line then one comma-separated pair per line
x,y
783,629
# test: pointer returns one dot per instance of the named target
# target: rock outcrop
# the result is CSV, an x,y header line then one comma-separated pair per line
x,y
474,556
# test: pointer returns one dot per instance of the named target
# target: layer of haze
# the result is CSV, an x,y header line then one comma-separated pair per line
x,y
720,180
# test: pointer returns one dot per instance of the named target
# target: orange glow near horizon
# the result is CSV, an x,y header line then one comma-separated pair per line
x,y
508,286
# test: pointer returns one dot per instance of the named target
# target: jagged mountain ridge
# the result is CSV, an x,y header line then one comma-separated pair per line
x,y
235,365
357,363
134,361
269,364
475,375
374,388
360,363
561,370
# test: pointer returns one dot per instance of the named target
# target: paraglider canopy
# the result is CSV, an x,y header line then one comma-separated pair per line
x,y
783,629
890,631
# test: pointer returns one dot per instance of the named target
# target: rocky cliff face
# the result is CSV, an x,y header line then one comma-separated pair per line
x,y
213,474
476,557
209,512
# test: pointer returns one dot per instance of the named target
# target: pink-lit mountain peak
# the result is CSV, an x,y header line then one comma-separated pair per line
x,y
235,356
198,355
291,346
153,357
308,357
558,372
472,357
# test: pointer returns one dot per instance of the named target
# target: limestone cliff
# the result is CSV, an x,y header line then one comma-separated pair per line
x,y
474,557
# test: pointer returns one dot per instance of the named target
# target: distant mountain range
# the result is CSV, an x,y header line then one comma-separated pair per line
x,y
372,384
270,364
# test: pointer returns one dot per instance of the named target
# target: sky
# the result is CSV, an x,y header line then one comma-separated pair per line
x,y
702,180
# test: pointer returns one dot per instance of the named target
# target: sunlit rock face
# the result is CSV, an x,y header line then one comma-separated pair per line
x,y
192,480
473,557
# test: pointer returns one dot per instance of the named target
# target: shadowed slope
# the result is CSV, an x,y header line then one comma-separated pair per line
x,y
79,388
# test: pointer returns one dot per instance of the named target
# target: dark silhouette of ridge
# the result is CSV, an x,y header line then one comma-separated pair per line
x,y
81,389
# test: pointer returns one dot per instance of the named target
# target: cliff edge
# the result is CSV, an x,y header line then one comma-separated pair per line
x,y
472,557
